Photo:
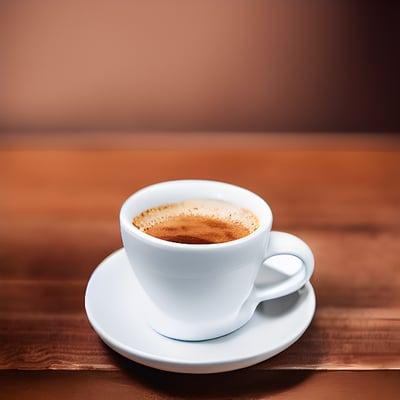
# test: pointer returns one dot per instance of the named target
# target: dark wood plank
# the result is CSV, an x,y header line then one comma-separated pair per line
x,y
143,383
336,340
342,190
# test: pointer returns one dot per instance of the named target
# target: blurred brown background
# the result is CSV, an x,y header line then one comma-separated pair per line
x,y
220,65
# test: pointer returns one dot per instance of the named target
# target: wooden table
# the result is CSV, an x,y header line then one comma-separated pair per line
x,y
60,199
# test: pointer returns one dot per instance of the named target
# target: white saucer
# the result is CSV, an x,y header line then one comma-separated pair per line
x,y
113,306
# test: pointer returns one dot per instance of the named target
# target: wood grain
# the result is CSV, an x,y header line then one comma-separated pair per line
x,y
139,382
59,219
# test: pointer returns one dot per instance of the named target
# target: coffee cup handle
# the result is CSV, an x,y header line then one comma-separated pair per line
x,y
282,243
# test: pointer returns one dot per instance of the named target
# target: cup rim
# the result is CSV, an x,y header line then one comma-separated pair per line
x,y
265,221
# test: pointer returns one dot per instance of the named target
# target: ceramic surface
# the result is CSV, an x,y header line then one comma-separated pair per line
x,y
113,304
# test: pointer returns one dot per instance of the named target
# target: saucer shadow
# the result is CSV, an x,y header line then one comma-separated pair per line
x,y
251,382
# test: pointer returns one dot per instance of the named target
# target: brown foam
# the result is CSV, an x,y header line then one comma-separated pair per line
x,y
197,222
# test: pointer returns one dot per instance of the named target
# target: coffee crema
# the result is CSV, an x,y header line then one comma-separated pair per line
x,y
200,221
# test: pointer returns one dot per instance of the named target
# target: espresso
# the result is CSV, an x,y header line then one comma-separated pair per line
x,y
197,222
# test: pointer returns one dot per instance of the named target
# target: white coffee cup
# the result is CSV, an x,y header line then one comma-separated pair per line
x,y
202,291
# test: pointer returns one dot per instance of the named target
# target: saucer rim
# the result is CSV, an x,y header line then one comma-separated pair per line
x,y
175,364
